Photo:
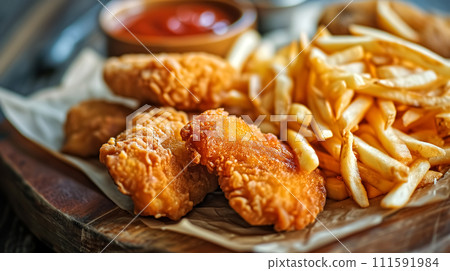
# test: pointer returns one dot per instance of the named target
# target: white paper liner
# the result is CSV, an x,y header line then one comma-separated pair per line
x,y
40,118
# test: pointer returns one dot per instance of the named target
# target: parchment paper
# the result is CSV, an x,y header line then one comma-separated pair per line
x,y
40,118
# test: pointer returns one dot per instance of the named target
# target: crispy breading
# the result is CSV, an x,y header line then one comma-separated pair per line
x,y
259,175
150,163
90,124
196,81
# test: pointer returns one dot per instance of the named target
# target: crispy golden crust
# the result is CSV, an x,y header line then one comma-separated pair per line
x,y
150,163
258,174
90,124
196,81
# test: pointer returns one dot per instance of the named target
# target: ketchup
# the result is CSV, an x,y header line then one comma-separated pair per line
x,y
171,19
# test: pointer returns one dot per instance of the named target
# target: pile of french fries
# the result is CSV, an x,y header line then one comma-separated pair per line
x,y
372,110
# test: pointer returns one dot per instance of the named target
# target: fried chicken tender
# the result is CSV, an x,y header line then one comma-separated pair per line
x,y
190,81
90,124
150,163
259,175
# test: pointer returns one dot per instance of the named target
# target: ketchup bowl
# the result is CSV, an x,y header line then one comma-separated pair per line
x,y
140,26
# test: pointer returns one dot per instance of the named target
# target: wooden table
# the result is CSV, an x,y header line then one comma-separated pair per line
x,y
67,212
62,207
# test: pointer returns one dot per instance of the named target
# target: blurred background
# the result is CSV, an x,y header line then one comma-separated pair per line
x,y
39,38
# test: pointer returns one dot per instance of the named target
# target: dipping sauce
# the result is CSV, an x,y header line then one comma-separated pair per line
x,y
177,19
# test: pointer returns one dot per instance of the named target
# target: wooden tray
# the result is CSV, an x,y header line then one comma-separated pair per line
x,y
65,210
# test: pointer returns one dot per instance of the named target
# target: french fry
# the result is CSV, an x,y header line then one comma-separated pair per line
x,y
372,192
304,42
269,127
300,71
303,119
264,52
338,78
386,43
425,149
442,159
353,80
321,131
401,193
429,136
352,54
283,94
411,98
390,21
260,60
425,122
237,98
329,174
336,189
411,116
355,112
293,51
335,89
393,71
300,85
343,101
266,103
355,67
243,48
317,54
372,141
320,128
339,43
327,162
375,179
366,128
306,155
380,60
412,81
254,86
380,162
388,110
322,31
390,141
443,124
350,172
333,146
430,178
323,107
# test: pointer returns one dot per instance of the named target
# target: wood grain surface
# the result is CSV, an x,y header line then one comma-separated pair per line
x,y
68,213
62,208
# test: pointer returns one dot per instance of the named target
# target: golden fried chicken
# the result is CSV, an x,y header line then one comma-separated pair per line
x,y
190,81
259,175
150,163
90,124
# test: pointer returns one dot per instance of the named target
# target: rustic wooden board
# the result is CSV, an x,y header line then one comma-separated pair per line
x,y
67,212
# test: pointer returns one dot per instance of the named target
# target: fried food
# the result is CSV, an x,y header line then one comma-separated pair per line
x,y
90,124
259,175
397,17
150,163
190,81
361,13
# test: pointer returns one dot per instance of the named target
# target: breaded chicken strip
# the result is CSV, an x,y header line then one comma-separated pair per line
x,y
90,124
259,175
190,81
150,163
